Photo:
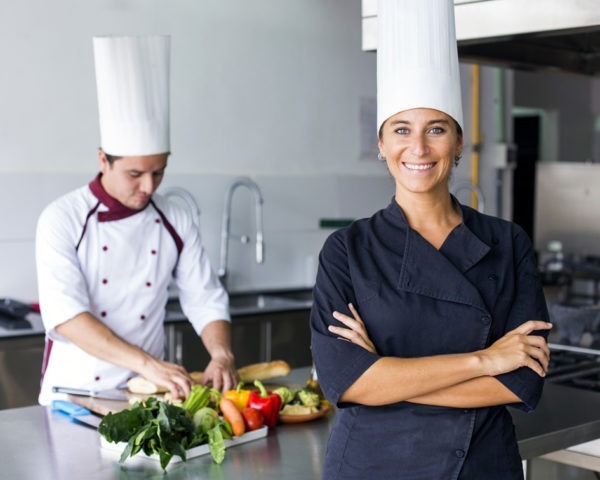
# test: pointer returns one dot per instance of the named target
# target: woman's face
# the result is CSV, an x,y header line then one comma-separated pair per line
x,y
419,146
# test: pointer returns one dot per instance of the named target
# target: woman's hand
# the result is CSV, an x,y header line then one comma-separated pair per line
x,y
518,348
356,331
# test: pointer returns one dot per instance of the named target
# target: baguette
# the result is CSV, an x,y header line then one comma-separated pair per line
x,y
263,371
256,371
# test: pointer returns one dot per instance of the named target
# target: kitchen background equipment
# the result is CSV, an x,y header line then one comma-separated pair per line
x,y
13,313
575,345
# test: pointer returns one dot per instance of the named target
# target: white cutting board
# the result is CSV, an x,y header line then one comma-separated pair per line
x,y
114,450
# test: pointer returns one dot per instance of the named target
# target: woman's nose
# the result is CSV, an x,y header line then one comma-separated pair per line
x,y
419,145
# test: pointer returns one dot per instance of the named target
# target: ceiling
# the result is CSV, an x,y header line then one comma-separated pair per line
x,y
573,50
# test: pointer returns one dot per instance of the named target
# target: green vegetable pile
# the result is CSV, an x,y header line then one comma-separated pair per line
x,y
300,396
156,427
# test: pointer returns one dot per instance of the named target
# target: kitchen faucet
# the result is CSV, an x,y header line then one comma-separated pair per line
x,y
225,225
189,200
471,187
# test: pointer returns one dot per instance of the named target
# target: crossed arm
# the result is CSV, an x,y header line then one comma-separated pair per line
x,y
457,380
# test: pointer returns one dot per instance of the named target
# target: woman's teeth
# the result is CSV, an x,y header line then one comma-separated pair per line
x,y
419,166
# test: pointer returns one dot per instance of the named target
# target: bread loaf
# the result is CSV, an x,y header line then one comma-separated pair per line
x,y
143,386
256,371
263,371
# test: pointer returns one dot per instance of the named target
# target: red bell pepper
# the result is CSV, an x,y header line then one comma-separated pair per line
x,y
267,402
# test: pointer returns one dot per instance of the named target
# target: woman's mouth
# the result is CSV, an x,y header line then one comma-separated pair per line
x,y
419,167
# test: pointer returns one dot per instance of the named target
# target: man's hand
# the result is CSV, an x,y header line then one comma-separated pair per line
x,y
220,371
169,375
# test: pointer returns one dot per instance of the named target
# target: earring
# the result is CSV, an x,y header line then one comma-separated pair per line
x,y
457,160
380,157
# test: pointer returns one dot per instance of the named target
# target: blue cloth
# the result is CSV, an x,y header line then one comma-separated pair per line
x,y
418,301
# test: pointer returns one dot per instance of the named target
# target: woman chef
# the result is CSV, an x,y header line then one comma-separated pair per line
x,y
107,252
447,318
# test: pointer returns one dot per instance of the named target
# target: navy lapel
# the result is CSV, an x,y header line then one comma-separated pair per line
x,y
441,274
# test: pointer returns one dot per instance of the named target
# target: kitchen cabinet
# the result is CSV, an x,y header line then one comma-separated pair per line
x,y
281,335
20,370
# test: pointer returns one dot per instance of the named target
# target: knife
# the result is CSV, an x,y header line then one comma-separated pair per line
x,y
77,413
112,394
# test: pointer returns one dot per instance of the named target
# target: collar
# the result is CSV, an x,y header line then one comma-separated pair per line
x,y
441,273
116,210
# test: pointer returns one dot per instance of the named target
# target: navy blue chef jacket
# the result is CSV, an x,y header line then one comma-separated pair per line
x,y
418,301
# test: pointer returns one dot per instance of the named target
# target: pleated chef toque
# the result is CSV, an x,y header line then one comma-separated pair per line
x,y
417,58
132,81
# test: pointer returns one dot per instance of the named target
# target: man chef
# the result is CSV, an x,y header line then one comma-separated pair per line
x,y
107,252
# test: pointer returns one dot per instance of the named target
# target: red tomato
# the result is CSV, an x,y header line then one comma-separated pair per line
x,y
253,418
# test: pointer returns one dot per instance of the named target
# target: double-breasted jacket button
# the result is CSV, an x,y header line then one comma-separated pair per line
x,y
486,319
459,453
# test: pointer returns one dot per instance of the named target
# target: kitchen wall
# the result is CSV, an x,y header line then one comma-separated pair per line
x,y
269,89
278,91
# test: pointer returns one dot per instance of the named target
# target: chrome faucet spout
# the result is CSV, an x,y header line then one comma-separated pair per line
x,y
189,200
226,223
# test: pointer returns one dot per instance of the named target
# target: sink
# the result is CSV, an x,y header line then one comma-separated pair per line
x,y
257,302
267,302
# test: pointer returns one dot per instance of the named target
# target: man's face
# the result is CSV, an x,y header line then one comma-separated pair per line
x,y
133,180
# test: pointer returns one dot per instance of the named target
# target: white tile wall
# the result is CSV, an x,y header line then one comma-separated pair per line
x,y
293,206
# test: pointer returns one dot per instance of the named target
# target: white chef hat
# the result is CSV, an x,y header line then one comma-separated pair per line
x,y
132,81
417,58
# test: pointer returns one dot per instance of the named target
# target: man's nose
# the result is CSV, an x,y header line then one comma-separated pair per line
x,y
148,184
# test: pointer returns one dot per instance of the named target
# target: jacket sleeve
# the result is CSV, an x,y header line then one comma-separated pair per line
x,y
62,287
202,296
339,363
529,304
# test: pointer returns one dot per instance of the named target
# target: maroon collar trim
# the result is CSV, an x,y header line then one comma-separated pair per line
x,y
116,210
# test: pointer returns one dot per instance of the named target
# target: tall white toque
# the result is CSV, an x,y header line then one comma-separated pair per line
x,y
417,58
132,81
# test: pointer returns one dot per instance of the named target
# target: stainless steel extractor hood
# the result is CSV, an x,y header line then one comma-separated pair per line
x,y
524,34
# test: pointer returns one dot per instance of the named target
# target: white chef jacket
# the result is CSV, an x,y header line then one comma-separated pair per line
x,y
96,255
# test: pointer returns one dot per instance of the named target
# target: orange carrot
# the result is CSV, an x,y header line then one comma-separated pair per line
x,y
233,416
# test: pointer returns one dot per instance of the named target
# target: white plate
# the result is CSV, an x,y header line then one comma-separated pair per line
x,y
116,449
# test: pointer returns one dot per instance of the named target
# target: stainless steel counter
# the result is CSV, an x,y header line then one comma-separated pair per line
x,y
38,443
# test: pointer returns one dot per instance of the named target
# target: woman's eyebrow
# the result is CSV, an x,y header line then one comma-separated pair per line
x,y
430,122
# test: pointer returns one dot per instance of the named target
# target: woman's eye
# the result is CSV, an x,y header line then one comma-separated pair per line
x,y
402,131
436,130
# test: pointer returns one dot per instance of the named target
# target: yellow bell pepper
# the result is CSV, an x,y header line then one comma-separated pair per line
x,y
239,397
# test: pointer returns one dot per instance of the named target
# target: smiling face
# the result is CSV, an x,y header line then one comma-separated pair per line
x,y
420,146
132,180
